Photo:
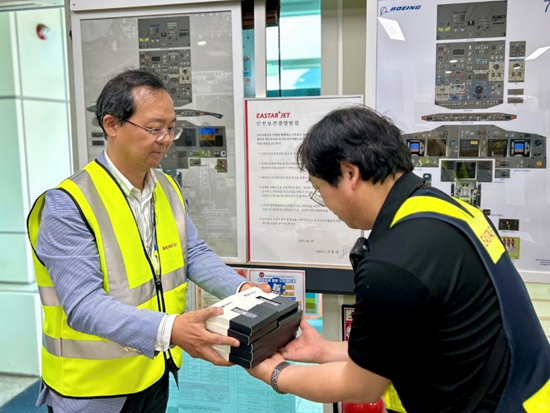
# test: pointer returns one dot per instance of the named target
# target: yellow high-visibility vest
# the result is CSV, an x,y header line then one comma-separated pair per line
x,y
77,364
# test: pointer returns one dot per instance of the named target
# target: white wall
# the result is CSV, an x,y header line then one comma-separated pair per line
x,y
36,156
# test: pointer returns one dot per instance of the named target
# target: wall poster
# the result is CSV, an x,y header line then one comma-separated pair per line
x,y
467,83
288,283
284,224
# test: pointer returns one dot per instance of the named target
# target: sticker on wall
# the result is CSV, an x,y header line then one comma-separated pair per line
x,y
512,246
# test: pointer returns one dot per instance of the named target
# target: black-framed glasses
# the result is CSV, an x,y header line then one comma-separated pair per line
x,y
158,134
317,197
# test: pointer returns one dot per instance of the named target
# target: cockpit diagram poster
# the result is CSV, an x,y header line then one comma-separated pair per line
x,y
467,83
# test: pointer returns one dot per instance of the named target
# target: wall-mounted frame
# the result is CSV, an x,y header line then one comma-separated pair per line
x,y
197,49
285,225
472,76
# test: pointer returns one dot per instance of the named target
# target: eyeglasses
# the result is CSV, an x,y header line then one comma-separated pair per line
x,y
158,134
317,197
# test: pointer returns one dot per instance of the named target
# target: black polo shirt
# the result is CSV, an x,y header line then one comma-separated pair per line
x,y
427,314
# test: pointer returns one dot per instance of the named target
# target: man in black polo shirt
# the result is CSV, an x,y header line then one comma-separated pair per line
x,y
441,312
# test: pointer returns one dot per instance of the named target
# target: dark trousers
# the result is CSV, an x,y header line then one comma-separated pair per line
x,y
151,400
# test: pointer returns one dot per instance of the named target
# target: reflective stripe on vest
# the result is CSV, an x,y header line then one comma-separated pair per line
x,y
48,296
174,197
94,350
471,216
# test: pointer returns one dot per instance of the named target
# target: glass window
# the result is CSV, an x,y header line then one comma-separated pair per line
x,y
294,50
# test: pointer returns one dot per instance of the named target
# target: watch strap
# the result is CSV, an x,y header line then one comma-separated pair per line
x,y
275,375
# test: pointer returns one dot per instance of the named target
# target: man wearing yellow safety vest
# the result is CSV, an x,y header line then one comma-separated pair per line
x,y
441,312
113,249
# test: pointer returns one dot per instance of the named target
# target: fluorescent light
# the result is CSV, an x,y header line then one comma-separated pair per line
x,y
201,43
392,28
537,53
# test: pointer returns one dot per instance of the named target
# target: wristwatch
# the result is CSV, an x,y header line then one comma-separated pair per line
x,y
275,375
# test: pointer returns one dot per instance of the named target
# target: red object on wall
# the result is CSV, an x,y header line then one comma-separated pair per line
x,y
377,407
43,31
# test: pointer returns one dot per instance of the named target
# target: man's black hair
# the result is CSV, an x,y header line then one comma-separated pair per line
x,y
117,99
358,135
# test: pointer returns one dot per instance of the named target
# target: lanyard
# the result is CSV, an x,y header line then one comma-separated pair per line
x,y
153,250
152,224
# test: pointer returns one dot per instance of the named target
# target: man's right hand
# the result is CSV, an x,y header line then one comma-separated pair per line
x,y
189,332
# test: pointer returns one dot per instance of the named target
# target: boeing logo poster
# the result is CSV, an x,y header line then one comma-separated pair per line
x,y
467,83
